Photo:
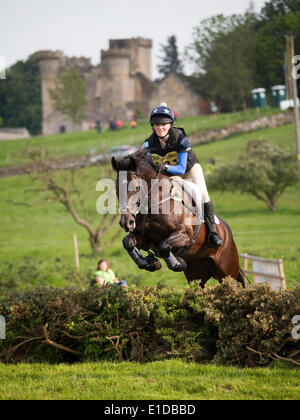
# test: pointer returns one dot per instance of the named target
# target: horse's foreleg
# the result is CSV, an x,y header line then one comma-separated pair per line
x,y
177,239
147,263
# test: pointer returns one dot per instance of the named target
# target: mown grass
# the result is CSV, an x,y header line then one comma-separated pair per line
x,y
167,380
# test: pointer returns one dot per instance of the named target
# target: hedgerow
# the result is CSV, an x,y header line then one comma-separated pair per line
x,y
225,323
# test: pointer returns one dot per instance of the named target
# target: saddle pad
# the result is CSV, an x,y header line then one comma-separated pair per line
x,y
192,191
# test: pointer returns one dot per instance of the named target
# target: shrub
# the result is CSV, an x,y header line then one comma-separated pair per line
x,y
263,170
226,323
254,324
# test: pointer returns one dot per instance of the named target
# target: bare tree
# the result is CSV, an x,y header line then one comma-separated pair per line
x,y
67,192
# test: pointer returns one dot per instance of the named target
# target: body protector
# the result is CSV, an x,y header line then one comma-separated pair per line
x,y
177,143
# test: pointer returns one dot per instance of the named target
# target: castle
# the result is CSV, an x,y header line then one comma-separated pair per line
x,y
117,87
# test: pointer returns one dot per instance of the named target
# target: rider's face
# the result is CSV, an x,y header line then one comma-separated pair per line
x,y
162,130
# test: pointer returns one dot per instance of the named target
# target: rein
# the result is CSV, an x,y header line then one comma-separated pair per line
x,y
127,208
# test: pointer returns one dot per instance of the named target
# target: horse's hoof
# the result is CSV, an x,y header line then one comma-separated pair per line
x,y
154,265
181,266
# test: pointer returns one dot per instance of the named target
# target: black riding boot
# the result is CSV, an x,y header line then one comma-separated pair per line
x,y
214,239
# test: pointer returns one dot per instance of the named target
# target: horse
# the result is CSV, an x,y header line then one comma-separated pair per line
x,y
173,236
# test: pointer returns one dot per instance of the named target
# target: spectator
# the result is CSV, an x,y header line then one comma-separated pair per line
x,y
213,110
98,126
113,124
104,275
119,124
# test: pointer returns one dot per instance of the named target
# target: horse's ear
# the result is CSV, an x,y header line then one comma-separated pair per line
x,y
114,163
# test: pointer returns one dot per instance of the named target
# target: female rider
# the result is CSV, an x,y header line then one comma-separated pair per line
x,y
171,150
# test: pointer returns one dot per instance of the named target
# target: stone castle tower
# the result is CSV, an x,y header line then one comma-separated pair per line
x,y
115,88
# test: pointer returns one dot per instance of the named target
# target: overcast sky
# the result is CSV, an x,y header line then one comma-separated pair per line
x,y
83,27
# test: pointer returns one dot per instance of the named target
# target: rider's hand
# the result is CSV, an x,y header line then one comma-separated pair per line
x,y
161,167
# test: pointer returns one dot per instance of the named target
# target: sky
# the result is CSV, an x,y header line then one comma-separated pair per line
x,y
84,27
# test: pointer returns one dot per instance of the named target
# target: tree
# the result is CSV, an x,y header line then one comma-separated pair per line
x,y
276,19
20,96
278,7
171,62
223,51
70,191
263,170
69,95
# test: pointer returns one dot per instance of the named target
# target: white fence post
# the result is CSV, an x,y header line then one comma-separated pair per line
x,y
2,328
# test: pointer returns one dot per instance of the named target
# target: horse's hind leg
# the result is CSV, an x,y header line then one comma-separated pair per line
x,y
241,278
177,239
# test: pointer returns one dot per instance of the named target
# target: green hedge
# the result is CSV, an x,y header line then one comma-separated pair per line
x,y
227,324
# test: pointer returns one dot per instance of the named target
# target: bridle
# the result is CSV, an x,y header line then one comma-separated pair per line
x,y
126,208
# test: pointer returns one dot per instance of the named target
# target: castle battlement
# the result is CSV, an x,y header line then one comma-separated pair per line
x,y
117,87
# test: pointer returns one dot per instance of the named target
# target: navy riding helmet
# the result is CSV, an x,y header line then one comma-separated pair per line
x,y
161,115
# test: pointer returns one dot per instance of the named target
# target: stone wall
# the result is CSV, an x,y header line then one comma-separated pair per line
x,y
243,127
14,134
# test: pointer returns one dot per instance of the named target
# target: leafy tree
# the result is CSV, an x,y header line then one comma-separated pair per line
x,y
277,18
262,170
279,7
20,96
171,62
223,50
69,95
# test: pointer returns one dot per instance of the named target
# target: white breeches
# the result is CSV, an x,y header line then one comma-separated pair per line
x,y
196,176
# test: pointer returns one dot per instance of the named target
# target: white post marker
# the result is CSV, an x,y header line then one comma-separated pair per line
x,y
76,251
2,328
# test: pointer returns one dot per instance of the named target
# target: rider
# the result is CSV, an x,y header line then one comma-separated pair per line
x,y
171,150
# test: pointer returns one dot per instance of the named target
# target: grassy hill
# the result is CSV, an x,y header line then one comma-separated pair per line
x,y
36,236
82,143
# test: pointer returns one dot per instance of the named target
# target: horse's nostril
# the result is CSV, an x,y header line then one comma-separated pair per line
x,y
131,222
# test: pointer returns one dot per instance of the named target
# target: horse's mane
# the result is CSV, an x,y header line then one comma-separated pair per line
x,y
133,162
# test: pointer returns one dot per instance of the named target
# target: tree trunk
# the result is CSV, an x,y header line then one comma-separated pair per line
x,y
271,204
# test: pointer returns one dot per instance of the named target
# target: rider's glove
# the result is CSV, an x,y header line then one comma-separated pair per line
x,y
161,167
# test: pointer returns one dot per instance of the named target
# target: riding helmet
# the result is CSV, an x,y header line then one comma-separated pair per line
x,y
161,115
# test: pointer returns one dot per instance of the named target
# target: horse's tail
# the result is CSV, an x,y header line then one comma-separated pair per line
x,y
242,278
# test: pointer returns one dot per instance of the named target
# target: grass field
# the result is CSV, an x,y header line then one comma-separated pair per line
x,y
42,232
82,143
168,380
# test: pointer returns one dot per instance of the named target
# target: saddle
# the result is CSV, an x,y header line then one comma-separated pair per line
x,y
178,186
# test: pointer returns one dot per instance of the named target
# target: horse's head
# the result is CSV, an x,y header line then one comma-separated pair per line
x,y
134,171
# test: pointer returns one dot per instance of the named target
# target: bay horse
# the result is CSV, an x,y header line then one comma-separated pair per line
x,y
174,236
